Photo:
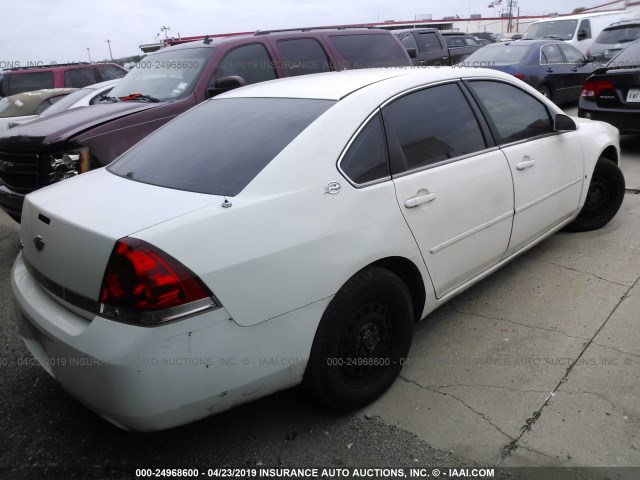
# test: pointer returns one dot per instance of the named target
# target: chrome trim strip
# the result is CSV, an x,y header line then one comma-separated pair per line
x,y
547,195
445,162
468,233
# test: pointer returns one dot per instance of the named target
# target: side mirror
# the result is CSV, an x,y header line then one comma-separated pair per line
x,y
412,52
582,34
225,84
564,123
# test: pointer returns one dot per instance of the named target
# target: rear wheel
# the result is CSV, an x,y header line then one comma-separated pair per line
x,y
362,340
605,195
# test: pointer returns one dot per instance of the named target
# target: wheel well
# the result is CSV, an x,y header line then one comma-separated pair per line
x,y
410,275
610,153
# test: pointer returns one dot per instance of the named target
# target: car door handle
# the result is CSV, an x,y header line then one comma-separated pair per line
x,y
549,70
419,200
525,164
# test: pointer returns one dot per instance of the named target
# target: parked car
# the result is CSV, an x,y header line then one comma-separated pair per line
x,y
613,39
578,31
612,93
71,75
490,37
245,253
428,46
82,97
555,69
168,83
29,105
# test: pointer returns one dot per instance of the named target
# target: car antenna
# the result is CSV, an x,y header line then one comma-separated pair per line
x,y
207,40
226,203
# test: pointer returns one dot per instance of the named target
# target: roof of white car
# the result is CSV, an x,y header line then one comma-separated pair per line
x,y
337,85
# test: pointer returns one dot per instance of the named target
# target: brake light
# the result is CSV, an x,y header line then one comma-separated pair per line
x,y
592,88
143,284
519,76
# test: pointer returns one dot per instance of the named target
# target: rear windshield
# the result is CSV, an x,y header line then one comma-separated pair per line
x,y
370,51
557,29
622,34
628,58
166,75
513,53
220,146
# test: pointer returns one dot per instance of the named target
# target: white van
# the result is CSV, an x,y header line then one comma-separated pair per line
x,y
578,30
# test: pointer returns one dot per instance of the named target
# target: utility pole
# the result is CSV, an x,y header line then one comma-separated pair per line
x,y
89,53
109,43
165,30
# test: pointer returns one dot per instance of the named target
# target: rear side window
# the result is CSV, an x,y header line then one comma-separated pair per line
x,y
370,51
27,82
430,126
366,160
454,41
220,146
301,56
408,41
251,62
513,114
429,42
80,77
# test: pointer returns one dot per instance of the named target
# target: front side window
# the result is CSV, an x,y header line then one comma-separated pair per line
x,y
409,42
454,41
550,55
301,56
366,160
585,28
80,77
251,62
219,146
513,114
471,41
430,126
572,55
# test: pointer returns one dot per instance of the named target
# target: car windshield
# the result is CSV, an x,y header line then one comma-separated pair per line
x,y
219,146
558,29
627,58
166,75
66,102
500,54
621,34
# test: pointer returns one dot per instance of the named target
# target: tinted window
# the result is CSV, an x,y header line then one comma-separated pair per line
x,y
585,25
111,73
27,82
470,41
167,75
514,114
45,105
429,42
512,53
629,57
251,62
366,160
80,77
619,34
572,55
219,146
301,56
408,41
551,55
429,126
370,51
454,41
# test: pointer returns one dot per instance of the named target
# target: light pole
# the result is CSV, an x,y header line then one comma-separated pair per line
x,y
109,43
165,30
89,53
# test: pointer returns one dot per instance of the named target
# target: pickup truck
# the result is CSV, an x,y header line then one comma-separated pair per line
x,y
428,46
166,84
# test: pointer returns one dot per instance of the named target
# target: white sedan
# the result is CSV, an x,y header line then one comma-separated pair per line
x,y
293,232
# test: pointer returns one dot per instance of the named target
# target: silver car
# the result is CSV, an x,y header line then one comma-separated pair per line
x,y
613,39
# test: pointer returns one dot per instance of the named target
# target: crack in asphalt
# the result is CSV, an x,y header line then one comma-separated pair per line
x,y
512,446
597,395
616,349
473,385
486,317
446,394
582,271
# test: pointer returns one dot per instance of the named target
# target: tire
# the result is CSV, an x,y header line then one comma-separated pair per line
x,y
605,195
544,90
362,340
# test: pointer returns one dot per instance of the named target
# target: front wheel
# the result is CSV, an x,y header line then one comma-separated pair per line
x,y
362,340
605,195
544,90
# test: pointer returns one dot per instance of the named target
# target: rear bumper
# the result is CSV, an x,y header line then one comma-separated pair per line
x,y
11,202
146,379
624,120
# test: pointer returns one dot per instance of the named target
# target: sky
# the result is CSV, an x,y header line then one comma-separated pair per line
x,y
40,32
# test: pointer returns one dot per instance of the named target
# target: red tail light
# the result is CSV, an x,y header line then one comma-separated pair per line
x,y
592,88
519,76
143,284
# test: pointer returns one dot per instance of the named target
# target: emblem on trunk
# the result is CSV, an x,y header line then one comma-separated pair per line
x,y
38,242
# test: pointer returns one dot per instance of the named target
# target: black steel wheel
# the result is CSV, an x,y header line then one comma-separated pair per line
x,y
362,340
